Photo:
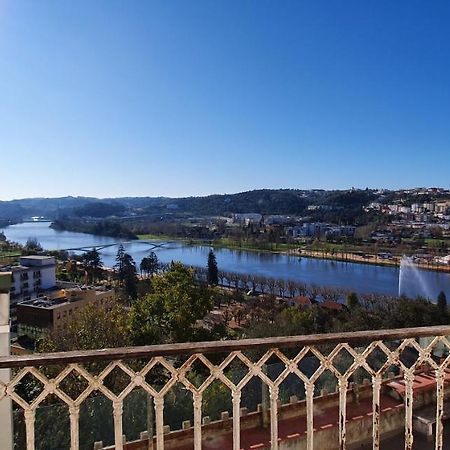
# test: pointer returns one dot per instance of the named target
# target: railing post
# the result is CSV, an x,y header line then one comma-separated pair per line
x,y
236,399
29,428
197,421
6,435
376,387
159,412
74,413
274,417
265,400
309,391
409,379
440,373
118,428
343,384
150,420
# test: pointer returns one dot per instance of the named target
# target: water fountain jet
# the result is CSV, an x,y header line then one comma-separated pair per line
x,y
410,271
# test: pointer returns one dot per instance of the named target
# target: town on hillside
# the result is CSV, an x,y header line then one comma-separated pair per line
x,y
370,226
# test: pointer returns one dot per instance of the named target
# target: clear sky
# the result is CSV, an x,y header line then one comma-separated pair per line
x,y
114,98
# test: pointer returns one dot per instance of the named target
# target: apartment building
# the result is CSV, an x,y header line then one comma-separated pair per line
x,y
33,275
57,308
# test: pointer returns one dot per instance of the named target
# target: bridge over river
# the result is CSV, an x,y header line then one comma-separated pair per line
x,y
152,245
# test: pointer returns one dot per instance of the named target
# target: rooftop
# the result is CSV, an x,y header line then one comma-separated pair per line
x,y
38,257
32,262
52,299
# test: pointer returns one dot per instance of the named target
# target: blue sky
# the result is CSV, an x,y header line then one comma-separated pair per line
x,y
115,98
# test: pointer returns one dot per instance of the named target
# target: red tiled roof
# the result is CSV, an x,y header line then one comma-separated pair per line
x,y
331,305
422,382
302,301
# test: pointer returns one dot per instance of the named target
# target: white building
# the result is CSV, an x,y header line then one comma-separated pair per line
x,y
32,275
247,218
443,260
277,219
404,209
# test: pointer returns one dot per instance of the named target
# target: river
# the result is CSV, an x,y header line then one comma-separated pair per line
x,y
362,278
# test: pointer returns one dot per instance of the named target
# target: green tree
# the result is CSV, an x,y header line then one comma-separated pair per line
x,y
442,303
352,300
119,267
126,274
130,280
33,246
406,313
92,327
92,264
71,268
213,271
170,312
150,264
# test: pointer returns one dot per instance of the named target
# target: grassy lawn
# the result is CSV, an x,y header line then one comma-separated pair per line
x,y
437,242
248,245
5,253
9,257
155,237
337,248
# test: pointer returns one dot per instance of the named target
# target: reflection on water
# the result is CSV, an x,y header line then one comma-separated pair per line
x,y
358,277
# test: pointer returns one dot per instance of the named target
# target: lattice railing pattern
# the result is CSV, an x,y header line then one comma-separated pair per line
x,y
53,382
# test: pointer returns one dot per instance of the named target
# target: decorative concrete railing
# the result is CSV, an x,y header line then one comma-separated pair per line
x,y
74,376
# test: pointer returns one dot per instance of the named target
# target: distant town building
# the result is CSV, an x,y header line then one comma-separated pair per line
x,y
317,229
445,260
300,301
57,308
247,218
279,220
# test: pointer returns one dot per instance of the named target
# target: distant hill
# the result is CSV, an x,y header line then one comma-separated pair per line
x,y
48,207
263,201
100,209
11,211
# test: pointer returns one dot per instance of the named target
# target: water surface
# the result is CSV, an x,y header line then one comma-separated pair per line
x,y
358,277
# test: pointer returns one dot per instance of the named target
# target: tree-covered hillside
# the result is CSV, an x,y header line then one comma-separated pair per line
x,y
329,204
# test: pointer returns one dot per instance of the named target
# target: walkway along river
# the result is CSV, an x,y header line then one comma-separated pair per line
x,y
362,278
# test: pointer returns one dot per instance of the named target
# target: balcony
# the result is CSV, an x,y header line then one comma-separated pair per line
x,y
374,389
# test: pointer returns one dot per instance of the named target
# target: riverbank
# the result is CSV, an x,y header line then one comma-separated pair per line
x,y
370,259
294,250
100,228
222,243
291,250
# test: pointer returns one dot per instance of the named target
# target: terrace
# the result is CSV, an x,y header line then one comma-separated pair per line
x,y
373,389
